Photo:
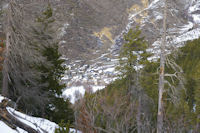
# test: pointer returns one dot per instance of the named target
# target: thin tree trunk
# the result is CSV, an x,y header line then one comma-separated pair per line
x,y
5,68
161,75
8,26
138,116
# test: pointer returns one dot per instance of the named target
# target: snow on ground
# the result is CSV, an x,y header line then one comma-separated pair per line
x,y
187,27
96,88
76,92
62,30
191,35
184,33
39,124
177,40
194,11
6,129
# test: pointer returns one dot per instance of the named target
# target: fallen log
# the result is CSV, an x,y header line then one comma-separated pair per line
x,y
11,121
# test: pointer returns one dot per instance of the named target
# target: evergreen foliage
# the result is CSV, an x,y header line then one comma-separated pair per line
x,y
63,128
57,108
189,60
133,53
133,56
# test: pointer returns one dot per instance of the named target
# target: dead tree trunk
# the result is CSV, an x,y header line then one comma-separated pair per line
x,y
161,75
5,68
11,121
6,54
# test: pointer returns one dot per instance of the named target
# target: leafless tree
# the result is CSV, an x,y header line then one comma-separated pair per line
x,y
104,113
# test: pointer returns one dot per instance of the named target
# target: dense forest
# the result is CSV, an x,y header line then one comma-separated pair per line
x,y
152,93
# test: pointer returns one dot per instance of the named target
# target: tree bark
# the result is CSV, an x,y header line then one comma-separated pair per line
x,y
138,117
161,75
6,54
5,67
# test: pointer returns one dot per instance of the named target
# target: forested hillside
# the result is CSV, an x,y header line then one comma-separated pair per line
x,y
99,66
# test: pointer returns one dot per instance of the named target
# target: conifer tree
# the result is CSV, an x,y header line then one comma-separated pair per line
x,y
56,108
133,54
133,57
189,59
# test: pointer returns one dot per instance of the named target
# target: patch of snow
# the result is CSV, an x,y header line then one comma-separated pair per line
x,y
109,70
196,18
72,92
62,30
76,92
187,27
6,129
194,8
191,35
38,124
153,4
159,17
96,88
62,42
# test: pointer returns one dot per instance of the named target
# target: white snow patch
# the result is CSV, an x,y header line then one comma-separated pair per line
x,y
196,18
159,17
187,27
96,88
76,92
62,30
6,129
109,70
73,93
191,35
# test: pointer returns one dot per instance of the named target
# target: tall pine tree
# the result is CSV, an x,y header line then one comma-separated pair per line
x,y
57,108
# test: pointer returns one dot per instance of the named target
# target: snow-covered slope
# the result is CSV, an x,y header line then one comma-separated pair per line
x,y
39,124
